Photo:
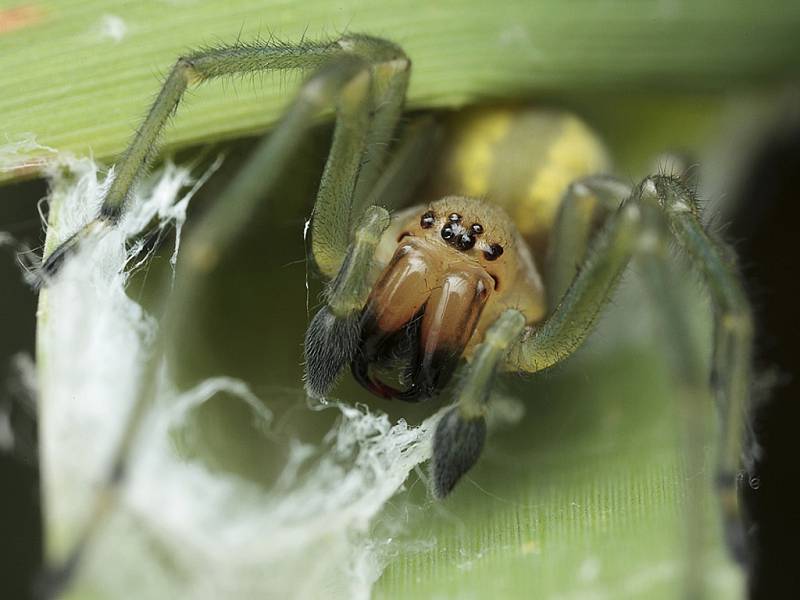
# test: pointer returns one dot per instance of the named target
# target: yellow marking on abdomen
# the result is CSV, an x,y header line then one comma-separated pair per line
x,y
574,154
477,132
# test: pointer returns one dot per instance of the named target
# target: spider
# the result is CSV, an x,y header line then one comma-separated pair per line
x,y
498,266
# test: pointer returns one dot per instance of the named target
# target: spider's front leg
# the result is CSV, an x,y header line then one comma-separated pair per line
x,y
364,77
345,237
375,70
731,363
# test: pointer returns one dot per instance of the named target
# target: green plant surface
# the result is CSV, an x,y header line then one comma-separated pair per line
x,y
588,497
76,75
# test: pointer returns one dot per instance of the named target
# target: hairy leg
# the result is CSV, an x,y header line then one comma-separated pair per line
x,y
224,61
584,207
731,366
333,335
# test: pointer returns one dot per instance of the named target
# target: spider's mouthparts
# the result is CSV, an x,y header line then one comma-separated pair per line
x,y
423,311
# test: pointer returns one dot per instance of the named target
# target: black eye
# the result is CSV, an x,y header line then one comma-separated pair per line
x,y
465,242
494,252
427,220
454,218
447,232
477,228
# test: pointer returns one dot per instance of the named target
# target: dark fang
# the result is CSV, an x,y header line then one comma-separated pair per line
x,y
331,343
430,375
457,444
375,347
494,252
427,220
427,373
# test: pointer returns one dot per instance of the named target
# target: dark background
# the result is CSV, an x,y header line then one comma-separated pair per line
x,y
20,524
765,234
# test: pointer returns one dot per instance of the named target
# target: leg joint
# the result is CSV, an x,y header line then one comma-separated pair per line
x,y
505,330
373,49
346,73
375,221
673,194
185,66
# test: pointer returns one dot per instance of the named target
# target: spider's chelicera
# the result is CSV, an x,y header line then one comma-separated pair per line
x,y
513,244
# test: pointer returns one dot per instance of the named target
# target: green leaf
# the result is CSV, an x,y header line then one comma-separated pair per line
x,y
588,497
76,75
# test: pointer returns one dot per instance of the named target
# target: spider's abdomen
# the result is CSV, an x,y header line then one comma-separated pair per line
x,y
521,158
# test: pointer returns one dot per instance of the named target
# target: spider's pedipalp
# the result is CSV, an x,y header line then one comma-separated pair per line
x,y
333,336
331,344
457,445
460,434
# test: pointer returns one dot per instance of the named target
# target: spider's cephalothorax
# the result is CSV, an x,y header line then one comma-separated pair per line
x,y
451,269
511,282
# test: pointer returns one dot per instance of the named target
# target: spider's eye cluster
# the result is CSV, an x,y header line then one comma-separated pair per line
x,y
456,234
